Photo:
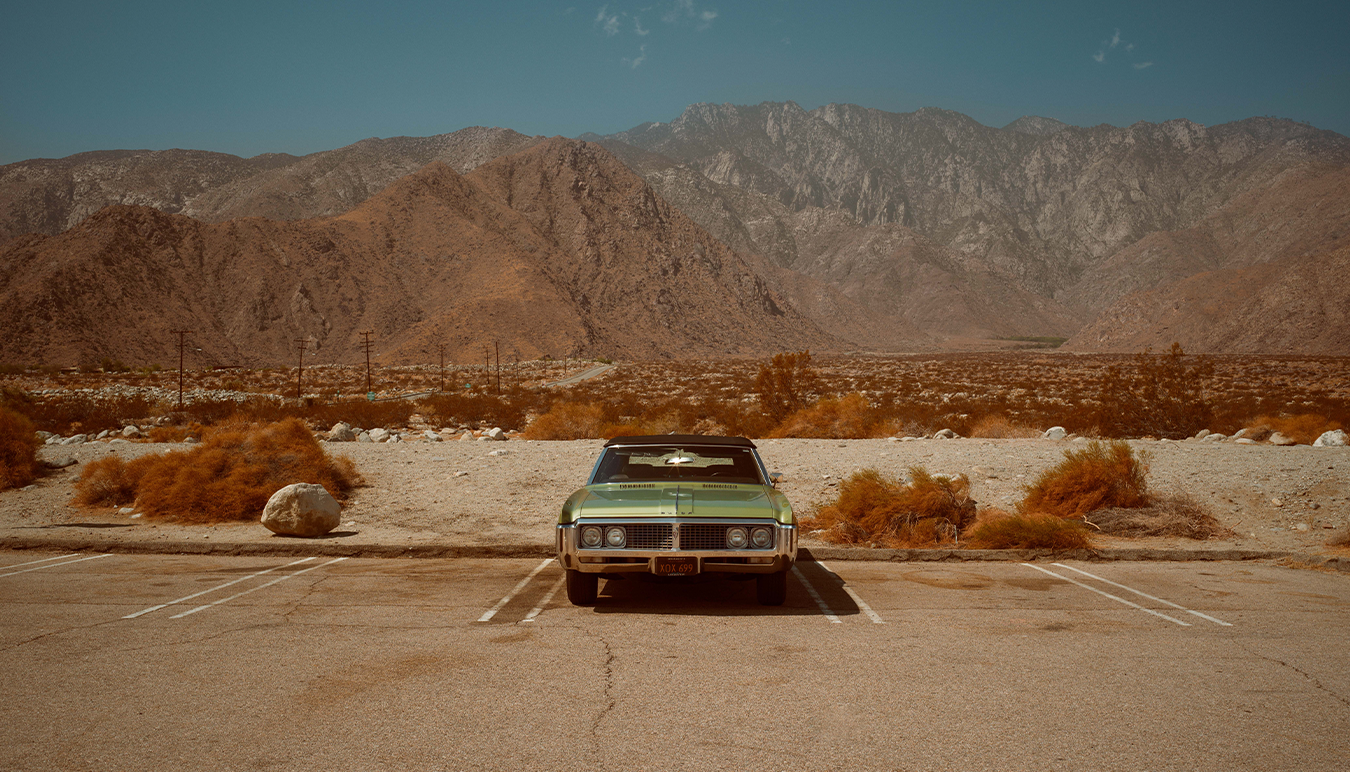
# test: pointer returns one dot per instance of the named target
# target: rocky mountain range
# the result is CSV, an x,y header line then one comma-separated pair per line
x,y
558,249
857,227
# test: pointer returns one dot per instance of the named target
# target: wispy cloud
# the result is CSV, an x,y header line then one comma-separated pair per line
x,y
637,27
686,10
1114,42
632,64
607,22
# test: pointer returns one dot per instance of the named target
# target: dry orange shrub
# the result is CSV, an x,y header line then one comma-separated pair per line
x,y
18,450
997,529
850,417
229,477
1304,428
1099,476
876,508
999,427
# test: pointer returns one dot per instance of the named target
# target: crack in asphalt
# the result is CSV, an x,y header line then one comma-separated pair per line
x,y
62,631
1307,676
606,708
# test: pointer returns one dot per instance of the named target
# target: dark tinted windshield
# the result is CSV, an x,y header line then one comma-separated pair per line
x,y
652,463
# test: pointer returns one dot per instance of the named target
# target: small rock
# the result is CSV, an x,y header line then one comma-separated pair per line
x,y
945,434
1056,433
1245,441
364,437
461,473
117,440
1301,527
102,434
44,436
495,433
431,436
302,509
1282,440
78,439
1276,503
1203,433
126,510
466,437
379,434
130,431
1333,439
1214,437
189,440
60,463
502,452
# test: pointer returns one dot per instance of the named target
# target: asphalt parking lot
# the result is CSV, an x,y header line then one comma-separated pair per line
x,y
196,662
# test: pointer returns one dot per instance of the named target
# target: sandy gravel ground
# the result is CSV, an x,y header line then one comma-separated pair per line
x,y
459,493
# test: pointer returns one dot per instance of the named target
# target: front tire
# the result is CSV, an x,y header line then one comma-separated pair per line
x,y
771,589
582,588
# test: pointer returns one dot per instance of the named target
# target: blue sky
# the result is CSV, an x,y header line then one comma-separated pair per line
x,y
252,77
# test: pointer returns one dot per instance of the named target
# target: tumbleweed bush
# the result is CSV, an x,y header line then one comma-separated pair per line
x,y
873,507
18,450
1098,476
996,529
228,477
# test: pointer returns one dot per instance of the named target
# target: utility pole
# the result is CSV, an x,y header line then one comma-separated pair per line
x,y
366,346
498,347
441,348
300,371
182,346
487,365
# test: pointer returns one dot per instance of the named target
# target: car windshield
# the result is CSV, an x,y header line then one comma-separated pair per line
x,y
654,463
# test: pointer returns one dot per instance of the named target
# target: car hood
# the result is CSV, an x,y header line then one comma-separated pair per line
x,y
679,500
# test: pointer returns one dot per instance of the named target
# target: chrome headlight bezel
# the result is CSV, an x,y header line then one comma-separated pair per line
x,y
738,537
592,537
761,537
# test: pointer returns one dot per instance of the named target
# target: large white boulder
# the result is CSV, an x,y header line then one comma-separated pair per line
x,y
1282,439
1056,433
495,433
379,434
341,432
302,509
1332,439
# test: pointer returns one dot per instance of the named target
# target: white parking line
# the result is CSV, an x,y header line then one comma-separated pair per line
x,y
44,560
1146,595
52,565
862,604
213,589
819,600
534,612
253,589
514,591
1109,595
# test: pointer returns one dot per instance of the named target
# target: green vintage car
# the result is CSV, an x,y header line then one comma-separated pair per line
x,y
677,505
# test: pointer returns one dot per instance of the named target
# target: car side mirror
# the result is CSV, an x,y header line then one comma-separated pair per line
x,y
774,477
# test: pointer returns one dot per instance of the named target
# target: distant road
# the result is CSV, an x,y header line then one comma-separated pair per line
x,y
584,375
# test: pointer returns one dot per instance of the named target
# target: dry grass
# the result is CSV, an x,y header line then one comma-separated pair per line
x,y
998,427
229,477
18,450
1101,475
1303,428
876,509
1174,515
849,417
996,529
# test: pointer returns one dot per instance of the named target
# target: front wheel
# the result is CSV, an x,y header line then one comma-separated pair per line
x,y
771,589
582,588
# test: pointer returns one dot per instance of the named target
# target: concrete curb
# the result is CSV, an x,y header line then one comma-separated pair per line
x,y
333,547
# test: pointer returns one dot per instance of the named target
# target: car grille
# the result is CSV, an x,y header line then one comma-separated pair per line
x,y
650,536
693,536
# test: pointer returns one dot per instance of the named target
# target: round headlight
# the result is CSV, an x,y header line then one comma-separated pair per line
x,y
761,537
615,537
591,536
737,538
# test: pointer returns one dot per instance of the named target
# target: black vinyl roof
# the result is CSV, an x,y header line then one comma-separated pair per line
x,y
680,439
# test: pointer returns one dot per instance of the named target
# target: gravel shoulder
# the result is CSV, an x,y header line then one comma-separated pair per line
x,y
459,496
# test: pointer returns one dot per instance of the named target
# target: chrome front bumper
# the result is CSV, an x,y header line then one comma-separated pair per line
x,y
780,556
